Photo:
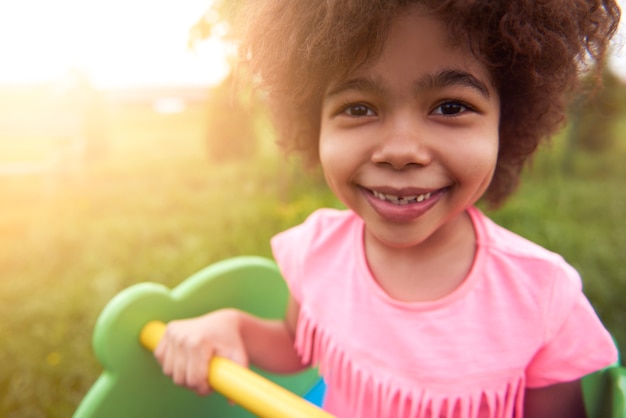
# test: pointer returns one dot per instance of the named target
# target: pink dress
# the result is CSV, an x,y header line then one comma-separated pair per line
x,y
518,320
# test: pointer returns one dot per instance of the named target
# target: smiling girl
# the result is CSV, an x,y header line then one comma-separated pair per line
x,y
411,302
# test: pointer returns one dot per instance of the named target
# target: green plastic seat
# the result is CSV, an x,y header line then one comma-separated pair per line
x,y
132,384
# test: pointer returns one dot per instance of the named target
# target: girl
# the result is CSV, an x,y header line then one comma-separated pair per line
x,y
412,302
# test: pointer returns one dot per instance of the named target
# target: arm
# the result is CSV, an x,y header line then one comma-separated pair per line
x,y
563,400
270,343
188,345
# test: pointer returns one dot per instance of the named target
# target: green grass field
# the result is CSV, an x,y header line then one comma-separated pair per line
x,y
155,209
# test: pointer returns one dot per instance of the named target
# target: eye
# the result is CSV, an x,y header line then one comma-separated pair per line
x,y
358,110
450,108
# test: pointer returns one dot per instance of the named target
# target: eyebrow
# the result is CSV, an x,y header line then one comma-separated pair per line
x,y
452,77
439,79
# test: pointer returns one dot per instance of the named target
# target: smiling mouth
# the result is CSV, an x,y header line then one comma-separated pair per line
x,y
401,200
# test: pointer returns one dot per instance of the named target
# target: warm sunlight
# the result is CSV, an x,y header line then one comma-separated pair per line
x,y
118,43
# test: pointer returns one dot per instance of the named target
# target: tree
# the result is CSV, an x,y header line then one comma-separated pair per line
x,y
231,130
593,119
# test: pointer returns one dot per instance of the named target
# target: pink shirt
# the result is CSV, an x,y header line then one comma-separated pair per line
x,y
518,320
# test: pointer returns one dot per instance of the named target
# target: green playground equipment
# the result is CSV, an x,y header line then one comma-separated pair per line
x,y
132,384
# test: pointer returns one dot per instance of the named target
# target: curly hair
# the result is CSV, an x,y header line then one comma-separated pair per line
x,y
535,50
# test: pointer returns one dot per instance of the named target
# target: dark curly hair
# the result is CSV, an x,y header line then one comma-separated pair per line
x,y
535,50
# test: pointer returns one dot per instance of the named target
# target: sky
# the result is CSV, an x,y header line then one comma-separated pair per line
x,y
618,59
119,42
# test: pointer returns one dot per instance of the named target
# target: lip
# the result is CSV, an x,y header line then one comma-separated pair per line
x,y
407,212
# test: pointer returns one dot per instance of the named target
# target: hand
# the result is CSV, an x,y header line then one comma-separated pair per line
x,y
188,345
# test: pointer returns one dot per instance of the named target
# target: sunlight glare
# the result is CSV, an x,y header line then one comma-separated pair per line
x,y
118,42
124,43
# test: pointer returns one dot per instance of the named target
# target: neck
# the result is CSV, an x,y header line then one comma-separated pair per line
x,y
427,271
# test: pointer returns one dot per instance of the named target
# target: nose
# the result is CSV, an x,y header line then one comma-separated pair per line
x,y
402,146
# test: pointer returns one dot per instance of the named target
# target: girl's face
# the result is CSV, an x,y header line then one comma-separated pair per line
x,y
410,141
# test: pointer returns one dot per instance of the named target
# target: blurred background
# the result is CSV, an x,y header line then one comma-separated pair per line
x,y
126,156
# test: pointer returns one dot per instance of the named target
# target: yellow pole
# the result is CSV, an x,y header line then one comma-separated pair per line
x,y
246,388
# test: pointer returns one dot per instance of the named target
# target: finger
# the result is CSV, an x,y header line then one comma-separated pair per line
x,y
179,365
164,353
238,356
160,350
197,370
165,358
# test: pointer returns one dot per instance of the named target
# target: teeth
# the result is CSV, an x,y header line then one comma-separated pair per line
x,y
401,200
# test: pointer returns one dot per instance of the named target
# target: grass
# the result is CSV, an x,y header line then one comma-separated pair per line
x,y
156,209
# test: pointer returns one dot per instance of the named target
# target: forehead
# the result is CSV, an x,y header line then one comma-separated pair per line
x,y
418,45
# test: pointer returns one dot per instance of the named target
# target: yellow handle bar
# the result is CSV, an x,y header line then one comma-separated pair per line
x,y
241,385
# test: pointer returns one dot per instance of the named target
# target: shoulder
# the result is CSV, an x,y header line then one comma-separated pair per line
x,y
325,235
498,238
318,228
531,277
544,296
511,253
329,219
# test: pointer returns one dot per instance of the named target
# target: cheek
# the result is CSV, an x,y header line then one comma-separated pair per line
x,y
476,159
332,149
325,152
483,166
339,161
328,156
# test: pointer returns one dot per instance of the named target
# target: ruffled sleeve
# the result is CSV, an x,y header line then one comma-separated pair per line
x,y
575,342
287,251
291,247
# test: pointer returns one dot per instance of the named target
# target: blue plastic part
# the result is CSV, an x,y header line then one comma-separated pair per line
x,y
316,394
